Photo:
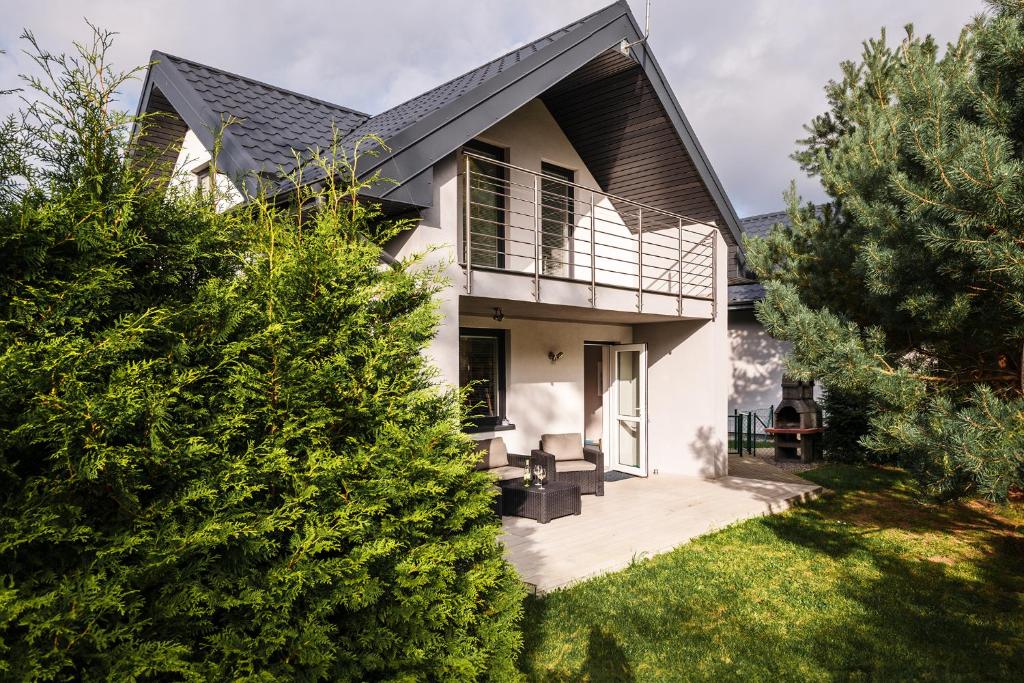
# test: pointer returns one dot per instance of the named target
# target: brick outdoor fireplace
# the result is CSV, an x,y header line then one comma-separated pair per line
x,y
798,424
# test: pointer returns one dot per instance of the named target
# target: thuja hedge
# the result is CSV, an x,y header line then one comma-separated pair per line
x,y
222,454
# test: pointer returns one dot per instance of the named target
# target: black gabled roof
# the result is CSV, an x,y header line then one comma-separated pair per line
x,y
425,129
397,118
744,295
271,121
268,122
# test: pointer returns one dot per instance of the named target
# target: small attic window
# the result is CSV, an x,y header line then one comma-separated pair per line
x,y
202,174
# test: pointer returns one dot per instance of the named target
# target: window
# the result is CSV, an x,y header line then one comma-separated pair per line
x,y
203,177
482,369
557,220
488,189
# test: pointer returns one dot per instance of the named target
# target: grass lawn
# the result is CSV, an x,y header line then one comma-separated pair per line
x,y
864,584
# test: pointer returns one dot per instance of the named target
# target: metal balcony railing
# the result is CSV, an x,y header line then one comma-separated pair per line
x,y
536,224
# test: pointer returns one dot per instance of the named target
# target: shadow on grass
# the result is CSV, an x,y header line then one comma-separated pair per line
x,y
605,660
866,583
917,616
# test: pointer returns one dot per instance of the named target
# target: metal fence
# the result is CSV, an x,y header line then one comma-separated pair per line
x,y
547,227
747,430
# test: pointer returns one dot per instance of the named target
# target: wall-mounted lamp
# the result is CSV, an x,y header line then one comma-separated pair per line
x,y
498,315
555,357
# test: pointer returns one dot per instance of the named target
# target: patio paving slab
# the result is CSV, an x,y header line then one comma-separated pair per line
x,y
638,518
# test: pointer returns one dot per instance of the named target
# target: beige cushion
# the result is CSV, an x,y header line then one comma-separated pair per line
x,y
492,453
507,472
575,466
563,446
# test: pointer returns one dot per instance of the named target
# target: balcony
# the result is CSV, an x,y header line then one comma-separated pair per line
x,y
539,236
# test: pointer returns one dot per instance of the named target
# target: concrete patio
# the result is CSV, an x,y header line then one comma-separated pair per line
x,y
638,518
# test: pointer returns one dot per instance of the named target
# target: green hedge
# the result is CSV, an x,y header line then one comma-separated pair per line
x,y
222,454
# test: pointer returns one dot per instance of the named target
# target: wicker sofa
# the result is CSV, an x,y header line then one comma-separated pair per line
x,y
567,459
500,464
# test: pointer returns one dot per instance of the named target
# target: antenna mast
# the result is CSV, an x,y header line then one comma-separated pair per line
x,y
625,45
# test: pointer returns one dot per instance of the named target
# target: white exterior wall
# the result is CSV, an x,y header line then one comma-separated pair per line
x,y
757,364
687,391
688,360
436,236
532,137
544,397
193,155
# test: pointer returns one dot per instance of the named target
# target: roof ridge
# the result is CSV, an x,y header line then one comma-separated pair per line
x,y
500,57
264,84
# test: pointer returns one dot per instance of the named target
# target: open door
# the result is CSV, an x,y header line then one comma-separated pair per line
x,y
628,428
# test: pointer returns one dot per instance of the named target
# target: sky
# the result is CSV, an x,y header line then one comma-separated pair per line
x,y
748,73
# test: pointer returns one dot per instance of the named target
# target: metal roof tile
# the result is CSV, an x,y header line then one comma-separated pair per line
x,y
761,225
271,121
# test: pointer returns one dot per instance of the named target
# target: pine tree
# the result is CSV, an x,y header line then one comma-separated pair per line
x,y
908,292
222,454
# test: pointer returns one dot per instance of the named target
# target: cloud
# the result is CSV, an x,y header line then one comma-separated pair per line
x,y
748,73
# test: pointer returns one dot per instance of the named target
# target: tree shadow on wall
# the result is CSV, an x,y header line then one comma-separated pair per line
x,y
757,363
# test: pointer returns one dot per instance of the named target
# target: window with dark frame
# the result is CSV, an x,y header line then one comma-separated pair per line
x,y
557,219
202,175
488,192
482,370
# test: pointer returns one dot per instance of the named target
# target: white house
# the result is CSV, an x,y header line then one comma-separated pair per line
x,y
588,242
757,357
757,364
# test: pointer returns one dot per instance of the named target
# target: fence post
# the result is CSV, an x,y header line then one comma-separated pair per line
x,y
750,433
735,430
739,432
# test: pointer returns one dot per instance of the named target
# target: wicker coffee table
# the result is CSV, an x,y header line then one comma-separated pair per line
x,y
556,499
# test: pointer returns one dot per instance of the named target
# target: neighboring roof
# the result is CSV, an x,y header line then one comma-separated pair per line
x,y
673,173
760,226
744,295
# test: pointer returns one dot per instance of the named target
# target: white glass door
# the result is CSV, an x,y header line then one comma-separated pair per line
x,y
628,438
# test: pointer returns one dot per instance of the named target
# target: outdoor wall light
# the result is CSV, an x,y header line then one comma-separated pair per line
x,y
555,357
498,315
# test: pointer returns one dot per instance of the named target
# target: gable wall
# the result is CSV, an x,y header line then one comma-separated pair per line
x,y
533,137
192,156
758,363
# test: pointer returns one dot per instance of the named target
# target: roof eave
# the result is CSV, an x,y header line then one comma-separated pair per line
x,y
232,158
682,125
608,27
464,118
